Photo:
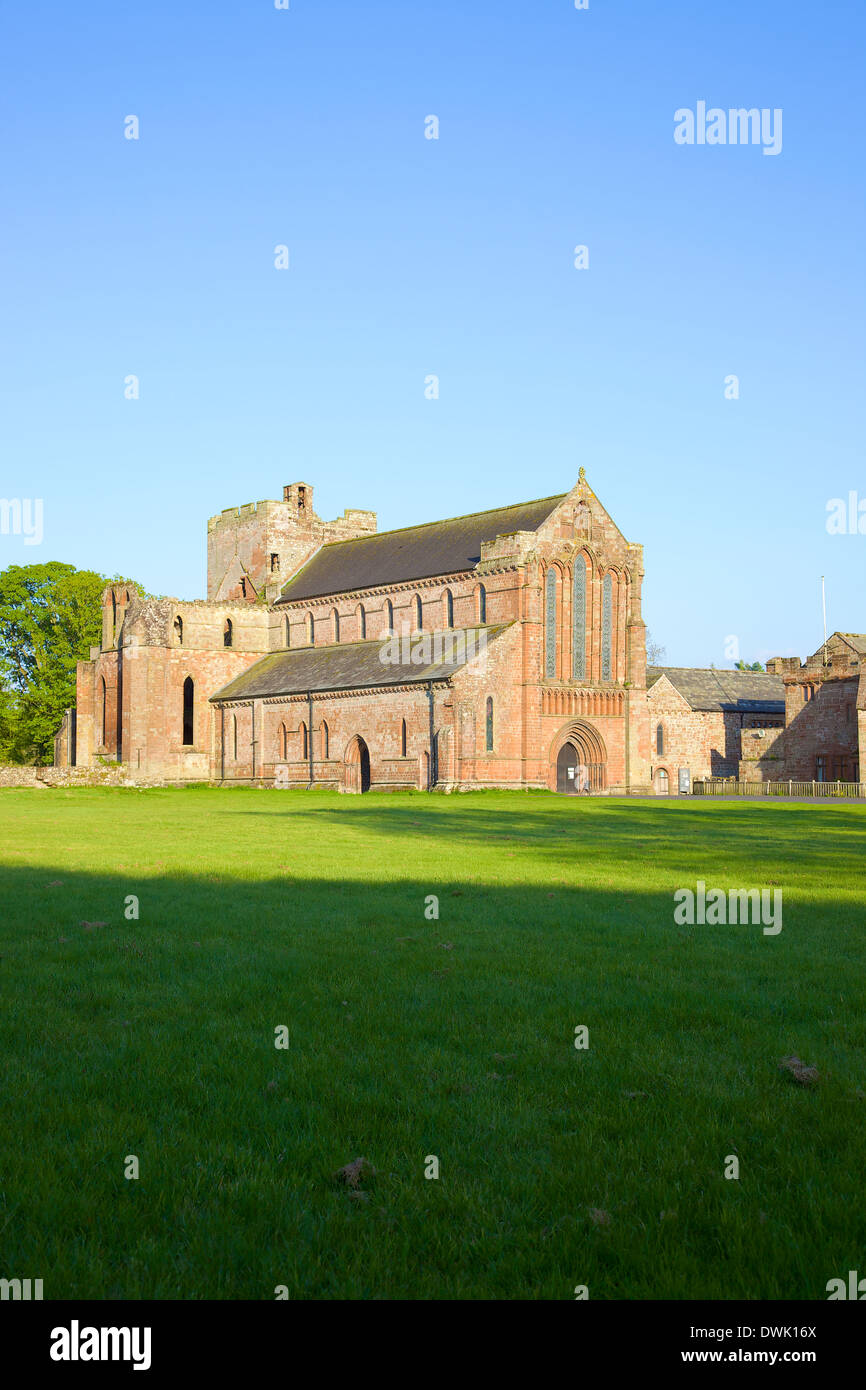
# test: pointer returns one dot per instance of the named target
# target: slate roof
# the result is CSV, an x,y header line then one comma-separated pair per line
x,y
857,640
348,665
752,692
415,552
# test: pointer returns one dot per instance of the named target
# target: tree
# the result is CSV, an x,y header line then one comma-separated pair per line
x,y
50,617
744,666
655,654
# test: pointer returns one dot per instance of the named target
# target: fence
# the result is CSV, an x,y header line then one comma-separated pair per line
x,y
720,786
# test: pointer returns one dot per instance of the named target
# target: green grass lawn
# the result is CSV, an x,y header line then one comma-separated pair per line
x,y
411,1037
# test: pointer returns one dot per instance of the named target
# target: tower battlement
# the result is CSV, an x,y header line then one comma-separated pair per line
x,y
253,549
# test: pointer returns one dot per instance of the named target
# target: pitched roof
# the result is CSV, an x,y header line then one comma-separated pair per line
x,y
749,691
348,665
857,640
415,552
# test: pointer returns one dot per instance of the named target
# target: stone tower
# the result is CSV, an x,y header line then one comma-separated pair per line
x,y
254,549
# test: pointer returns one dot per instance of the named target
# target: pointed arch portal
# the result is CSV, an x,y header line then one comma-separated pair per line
x,y
357,769
579,762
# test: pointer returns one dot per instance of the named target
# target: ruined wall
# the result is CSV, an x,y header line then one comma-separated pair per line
x,y
264,543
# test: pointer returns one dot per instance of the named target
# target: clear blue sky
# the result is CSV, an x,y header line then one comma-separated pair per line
x,y
453,257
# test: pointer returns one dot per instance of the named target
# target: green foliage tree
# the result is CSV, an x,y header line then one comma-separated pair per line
x,y
744,666
50,617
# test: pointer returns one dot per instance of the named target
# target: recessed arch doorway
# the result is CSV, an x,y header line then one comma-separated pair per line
x,y
579,760
357,766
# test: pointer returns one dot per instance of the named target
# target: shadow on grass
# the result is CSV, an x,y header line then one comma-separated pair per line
x,y
725,834
409,1036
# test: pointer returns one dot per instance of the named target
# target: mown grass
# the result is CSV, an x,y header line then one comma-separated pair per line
x,y
411,1037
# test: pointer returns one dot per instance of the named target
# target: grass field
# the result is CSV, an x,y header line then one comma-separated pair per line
x,y
411,1037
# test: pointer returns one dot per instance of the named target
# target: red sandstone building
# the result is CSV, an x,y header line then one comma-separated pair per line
x,y
501,649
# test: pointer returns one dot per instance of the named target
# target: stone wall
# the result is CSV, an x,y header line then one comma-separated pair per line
x,y
98,776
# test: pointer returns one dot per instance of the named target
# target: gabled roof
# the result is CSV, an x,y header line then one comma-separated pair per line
x,y
349,665
752,692
855,639
415,552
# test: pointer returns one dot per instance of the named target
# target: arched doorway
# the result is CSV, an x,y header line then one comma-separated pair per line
x,y
357,777
663,782
566,769
579,760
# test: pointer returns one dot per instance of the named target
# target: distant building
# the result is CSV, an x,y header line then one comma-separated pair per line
x,y
501,649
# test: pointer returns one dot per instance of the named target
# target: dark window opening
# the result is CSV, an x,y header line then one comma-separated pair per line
x,y
482,604
660,741
178,627
489,725
275,563
188,692
227,633
403,739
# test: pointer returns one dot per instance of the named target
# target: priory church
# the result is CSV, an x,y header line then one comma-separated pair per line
x,y
501,649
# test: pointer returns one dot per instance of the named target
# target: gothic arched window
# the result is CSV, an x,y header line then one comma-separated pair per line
x,y
188,719
550,623
578,621
606,627
488,725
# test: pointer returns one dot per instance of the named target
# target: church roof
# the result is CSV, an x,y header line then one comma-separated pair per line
x,y
415,552
856,639
752,692
349,665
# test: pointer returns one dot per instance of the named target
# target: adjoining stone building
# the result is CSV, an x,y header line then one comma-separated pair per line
x,y
698,718
798,721
501,649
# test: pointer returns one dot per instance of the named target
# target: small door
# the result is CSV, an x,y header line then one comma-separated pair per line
x,y
365,767
566,770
